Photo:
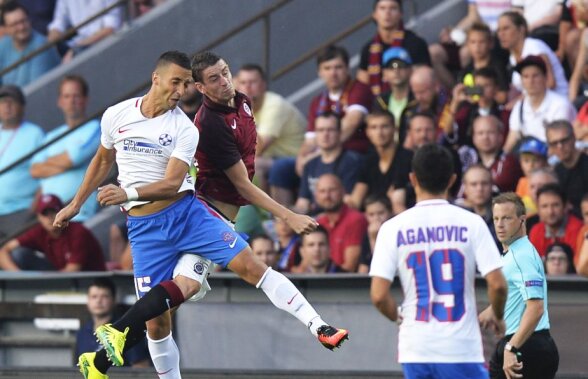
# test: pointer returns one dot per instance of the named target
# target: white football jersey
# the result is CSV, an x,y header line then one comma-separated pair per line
x,y
144,145
435,248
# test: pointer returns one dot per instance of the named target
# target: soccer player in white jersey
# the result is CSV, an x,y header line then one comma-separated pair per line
x,y
435,248
153,143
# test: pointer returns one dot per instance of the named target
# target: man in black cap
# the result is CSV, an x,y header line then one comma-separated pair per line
x,y
17,139
538,105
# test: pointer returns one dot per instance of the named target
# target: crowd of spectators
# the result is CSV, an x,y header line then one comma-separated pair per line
x,y
494,90
503,90
28,25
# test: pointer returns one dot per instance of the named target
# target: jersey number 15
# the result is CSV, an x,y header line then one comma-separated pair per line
x,y
446,268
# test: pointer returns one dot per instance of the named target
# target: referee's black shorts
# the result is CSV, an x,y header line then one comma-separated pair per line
x,y
539,355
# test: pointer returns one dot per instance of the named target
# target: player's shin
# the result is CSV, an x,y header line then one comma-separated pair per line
x,y
284,295
165,356
158,300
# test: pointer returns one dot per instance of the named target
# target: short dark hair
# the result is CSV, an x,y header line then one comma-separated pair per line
x,y
319,229
511,197
329,114
584,198
175,57
425,114
375,198
567,250
201,62
399,2
553,189
487,73
433,166
260,237
254,67
481,27
78,79
105,283
12,6
332,52
381,113
560,125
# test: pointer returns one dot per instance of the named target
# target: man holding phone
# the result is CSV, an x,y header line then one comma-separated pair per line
x,y
470,101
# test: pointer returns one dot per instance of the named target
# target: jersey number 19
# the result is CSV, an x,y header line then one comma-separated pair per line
x,y
446,268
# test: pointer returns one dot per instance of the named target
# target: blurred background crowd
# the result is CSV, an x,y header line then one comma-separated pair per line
x,y
505,89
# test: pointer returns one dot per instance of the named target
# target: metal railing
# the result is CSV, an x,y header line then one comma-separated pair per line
x,y
263,16
66,35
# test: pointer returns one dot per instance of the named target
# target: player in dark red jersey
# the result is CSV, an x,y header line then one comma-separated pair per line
x,y
225,158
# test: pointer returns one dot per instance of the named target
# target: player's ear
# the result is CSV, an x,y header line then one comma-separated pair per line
x,y
413,179
199,87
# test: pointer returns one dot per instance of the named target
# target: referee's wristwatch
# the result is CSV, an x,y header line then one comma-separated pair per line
x,y
512,349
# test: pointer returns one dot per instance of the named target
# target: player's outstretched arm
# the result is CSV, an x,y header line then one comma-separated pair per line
x,y
237,174
95,174
382,299
163,189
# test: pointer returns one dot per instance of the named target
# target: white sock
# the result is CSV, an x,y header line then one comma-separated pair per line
x,y
284,295
165,356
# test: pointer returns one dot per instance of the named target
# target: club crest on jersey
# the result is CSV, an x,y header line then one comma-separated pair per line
x,y
247,109
199,267
228,237
165,139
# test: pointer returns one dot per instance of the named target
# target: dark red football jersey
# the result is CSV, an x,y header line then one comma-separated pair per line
x,y
227,135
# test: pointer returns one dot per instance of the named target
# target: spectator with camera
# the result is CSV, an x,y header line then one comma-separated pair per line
x,y
471,101
479,45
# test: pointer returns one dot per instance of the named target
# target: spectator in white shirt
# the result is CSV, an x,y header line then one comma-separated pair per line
x,y
538,106
71,13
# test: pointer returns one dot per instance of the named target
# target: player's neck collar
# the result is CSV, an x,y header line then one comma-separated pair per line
x,y
428,202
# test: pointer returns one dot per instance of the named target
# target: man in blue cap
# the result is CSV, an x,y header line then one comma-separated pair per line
x,y
397,67
532,156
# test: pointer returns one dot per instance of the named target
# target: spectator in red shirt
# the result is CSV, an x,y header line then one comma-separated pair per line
x,y
350,99
487,137
555,224
68,250
346,226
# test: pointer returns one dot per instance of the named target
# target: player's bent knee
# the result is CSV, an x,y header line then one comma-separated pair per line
x,y
191,272
159,327
248,267
188,286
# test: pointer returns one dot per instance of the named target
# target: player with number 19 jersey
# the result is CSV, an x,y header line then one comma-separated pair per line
x,y
435,248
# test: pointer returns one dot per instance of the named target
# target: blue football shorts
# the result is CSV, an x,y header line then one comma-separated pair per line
x,y
187,227
445,371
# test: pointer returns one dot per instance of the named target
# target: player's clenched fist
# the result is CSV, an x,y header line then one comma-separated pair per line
x,y
301,223
111,195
